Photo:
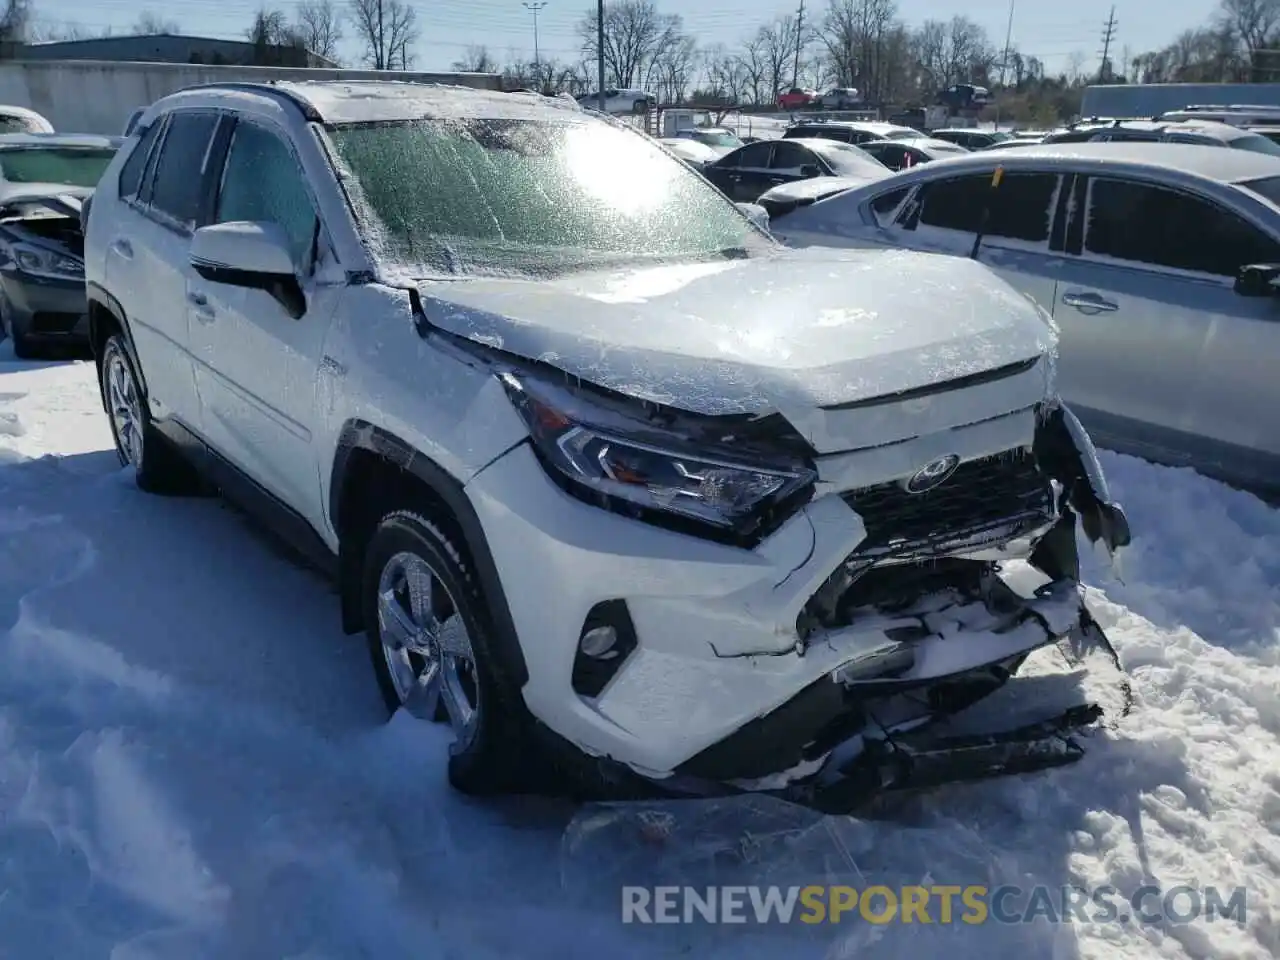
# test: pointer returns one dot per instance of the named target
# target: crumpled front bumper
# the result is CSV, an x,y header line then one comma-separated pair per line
x,y
719,683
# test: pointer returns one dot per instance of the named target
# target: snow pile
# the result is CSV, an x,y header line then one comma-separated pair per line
x,y
193,763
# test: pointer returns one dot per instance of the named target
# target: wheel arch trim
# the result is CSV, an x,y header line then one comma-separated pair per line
x,y
360,435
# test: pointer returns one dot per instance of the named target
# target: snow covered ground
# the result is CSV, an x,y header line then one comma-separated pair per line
x,y
193,763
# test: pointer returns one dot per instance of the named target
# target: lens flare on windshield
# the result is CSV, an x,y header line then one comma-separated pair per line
x,y
619,169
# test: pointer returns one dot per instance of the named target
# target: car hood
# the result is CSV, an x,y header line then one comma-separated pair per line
x,y
817,187
60,198
792,330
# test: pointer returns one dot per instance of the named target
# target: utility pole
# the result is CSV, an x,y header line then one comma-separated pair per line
x,y
537,61
1108,34
1008,40
600,49
795,70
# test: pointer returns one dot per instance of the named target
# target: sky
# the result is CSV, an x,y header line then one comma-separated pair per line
x,y
1052,31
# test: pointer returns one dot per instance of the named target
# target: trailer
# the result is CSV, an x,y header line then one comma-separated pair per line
x,y
1146,100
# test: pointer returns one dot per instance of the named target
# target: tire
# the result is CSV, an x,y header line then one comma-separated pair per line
x,y
489,752
24,348
640,106
157,467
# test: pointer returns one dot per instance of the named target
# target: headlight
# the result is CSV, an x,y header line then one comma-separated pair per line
x,y
624,464
38,262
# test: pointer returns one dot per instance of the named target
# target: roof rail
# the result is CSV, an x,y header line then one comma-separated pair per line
x,y
267,87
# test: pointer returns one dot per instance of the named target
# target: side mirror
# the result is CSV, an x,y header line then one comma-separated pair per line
x,y
252,255
755,213
810,170
1258,280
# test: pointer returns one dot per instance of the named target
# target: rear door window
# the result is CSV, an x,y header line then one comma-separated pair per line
x,y
1149,225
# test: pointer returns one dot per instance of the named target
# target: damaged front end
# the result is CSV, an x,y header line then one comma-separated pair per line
x,y
42,266
957,585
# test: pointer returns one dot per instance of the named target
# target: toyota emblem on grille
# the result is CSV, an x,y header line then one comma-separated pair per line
x,y
932,474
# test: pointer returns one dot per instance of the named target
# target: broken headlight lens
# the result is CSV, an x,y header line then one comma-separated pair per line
x,y
38,262
632,468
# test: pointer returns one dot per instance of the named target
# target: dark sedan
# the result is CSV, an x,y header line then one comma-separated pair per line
x,y
749,171
44,180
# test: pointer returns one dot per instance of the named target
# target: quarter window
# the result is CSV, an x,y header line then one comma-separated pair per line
x,y
181,167
1144,223
884,205
262,183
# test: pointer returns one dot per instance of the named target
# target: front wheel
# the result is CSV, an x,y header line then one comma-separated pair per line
x,y
157,467
429,637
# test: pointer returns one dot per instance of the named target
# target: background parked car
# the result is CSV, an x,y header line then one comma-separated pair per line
x,y
904,153
718,139
841,98
1271,133
796,99
746,173
22,120
692,152
850,131
1203,132
620,101
1136,249
44,180
972,139
787,197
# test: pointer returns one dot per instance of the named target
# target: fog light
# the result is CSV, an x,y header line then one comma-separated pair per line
x,y
598,643
606,641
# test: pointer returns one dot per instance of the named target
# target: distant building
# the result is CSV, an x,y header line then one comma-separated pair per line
x,y
171,48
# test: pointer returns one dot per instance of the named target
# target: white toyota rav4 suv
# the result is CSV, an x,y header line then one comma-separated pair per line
x,y
611,480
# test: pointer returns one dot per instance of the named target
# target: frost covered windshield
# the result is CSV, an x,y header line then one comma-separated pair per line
x,y
532,197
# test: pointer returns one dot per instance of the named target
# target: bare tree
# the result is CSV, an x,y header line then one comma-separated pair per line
x,y
755,72
778,47
270,28
15,20
634,33
865,45
673,69
152,24
69,30
477,59
319,25
388,28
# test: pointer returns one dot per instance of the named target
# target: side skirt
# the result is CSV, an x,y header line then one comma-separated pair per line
x,y
284,523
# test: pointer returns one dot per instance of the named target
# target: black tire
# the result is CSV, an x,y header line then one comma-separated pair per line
x,y
157,467
640,106
24,348
496,758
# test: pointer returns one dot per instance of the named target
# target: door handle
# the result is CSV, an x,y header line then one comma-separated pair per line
x,y
1089,303
123,248
200,307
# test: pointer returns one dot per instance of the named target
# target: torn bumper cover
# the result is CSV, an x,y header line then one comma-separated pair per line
x,y
943,654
